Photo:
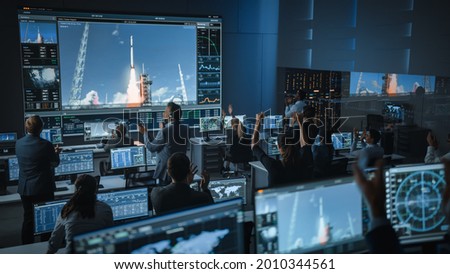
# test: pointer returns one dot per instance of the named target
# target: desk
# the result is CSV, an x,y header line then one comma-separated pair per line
x,y
35,248
207,155
259,175
11,210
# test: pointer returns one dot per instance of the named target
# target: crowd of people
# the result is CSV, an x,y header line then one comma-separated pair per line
x,y
305,152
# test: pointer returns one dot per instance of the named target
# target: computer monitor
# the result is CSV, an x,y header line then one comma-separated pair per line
x,y
13,169
226,189
97,131
227,119
208,124
273,122
414,202
322,217
45,215
342,140
126,205
128,157
75,163
8,137
53,135
151,158
215,228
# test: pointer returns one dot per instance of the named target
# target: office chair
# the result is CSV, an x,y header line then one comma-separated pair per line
x,y
239,153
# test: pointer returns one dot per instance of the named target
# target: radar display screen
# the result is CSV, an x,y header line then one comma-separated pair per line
x,y
414,202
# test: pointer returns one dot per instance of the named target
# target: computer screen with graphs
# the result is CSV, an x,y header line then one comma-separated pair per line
x,y
322,217
75,163
13,169
53,135
8,137
215,228
126,204
414,202
128,157
342,140
226,189
273,122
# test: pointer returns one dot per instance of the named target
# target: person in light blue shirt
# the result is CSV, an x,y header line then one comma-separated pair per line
x,y
370,151
294,106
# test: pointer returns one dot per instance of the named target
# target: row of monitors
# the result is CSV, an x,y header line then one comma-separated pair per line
x,y
83,161
133,203
322,217
103,130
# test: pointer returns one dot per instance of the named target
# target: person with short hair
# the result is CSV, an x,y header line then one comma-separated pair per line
x,y
370,151
432,155
173,137
37,159
179,194
82,213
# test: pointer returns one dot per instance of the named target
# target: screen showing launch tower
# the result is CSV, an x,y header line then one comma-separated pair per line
x,y
85,60
323,217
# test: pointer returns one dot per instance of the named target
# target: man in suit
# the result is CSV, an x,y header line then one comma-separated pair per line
x,y
172,138
37,158
179,194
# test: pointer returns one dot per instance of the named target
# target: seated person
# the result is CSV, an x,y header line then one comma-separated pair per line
x,y
370,151
322,153
381,237
432,155
239,149
290,168
178,194
82,213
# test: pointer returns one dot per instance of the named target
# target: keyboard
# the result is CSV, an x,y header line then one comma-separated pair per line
x,y
63,188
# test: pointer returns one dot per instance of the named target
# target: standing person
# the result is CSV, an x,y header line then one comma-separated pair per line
x,y
82,213
171,138
37,159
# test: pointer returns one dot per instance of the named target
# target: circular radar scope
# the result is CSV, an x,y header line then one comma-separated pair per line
x,y
418,201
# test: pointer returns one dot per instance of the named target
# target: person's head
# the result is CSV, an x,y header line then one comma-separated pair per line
x,y
84,198
237,126
373,136
173,111
299,95
34,125
308,112
287,147
121,130
178,167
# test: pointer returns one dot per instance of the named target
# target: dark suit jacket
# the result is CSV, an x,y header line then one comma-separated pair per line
x,y
36,158
383,240
171,139
176,196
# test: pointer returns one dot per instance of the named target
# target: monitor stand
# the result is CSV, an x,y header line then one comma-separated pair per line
x,y
206,137
337,154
